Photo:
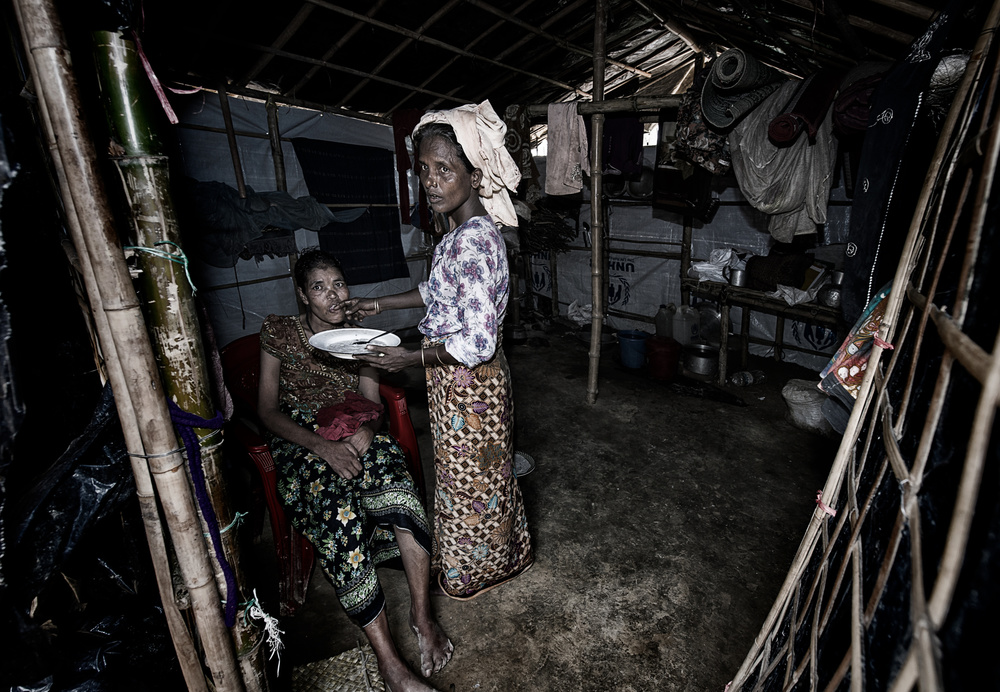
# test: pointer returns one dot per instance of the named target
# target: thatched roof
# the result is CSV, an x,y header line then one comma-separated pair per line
x,y
378,56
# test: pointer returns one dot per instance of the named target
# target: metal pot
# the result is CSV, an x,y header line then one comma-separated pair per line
x,y
701,359
829,296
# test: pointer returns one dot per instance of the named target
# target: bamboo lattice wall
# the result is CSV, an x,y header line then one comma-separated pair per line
x,y
898,590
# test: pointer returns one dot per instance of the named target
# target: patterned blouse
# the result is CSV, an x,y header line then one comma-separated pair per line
x,y
466,292
309,379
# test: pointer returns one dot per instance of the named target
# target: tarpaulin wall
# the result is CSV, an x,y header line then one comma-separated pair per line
x,y
639,284
239,298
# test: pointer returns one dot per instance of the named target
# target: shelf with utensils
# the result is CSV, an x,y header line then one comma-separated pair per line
x,y
748,299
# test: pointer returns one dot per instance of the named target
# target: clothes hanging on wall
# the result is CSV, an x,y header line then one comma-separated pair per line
x,y
694,141
895,155
273,242
790,183
518,143
226,222
568,154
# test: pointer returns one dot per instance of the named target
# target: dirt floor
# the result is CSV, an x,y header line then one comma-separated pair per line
x,y
664,518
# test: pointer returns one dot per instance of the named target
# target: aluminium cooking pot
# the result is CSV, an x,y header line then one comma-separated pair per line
x,y
701,359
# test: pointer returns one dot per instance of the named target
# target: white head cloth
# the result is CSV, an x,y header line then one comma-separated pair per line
x,y
481,134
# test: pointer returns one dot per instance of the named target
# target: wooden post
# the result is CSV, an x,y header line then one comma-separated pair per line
x,y
597,255
132,116
44,39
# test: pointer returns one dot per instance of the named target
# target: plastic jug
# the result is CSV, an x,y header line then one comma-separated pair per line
x,y
686,325
664,320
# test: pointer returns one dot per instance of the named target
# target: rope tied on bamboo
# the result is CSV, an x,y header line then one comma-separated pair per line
x,y
823,506
237,520
186,423
180,258
254,611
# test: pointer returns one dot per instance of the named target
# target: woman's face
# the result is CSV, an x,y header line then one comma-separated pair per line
x,y
450,188
324,296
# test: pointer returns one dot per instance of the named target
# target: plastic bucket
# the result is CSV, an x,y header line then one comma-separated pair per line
x,y
632,346
663,354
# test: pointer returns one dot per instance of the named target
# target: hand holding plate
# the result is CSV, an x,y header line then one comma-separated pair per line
x,y
388,358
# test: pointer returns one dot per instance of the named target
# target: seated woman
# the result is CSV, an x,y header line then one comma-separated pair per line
x,y
350,495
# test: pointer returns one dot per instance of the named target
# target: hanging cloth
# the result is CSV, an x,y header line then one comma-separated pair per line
x,y
403,122
791,183
568,155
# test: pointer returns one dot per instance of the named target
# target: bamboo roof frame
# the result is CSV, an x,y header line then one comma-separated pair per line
x,y
420,58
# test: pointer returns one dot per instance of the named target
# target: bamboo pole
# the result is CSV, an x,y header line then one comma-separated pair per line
x,y
109,365
234,149
277,155
169,303
44,39
597,258
632,104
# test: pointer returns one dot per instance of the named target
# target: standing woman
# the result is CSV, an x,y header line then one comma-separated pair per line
x,y
480,531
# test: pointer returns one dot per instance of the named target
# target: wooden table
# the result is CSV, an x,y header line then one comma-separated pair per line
x,y
728,296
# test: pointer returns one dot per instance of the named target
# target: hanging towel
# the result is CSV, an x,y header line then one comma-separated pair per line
x,y
568,154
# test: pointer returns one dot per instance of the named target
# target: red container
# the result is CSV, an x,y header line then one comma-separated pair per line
x,y
662,357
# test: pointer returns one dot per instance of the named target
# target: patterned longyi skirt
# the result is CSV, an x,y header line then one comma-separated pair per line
x,y
481,535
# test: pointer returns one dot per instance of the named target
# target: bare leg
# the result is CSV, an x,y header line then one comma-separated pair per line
x,y
435,647
397,675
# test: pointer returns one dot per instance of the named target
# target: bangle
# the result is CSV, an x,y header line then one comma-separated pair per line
x,y
437,354
422,361
378,310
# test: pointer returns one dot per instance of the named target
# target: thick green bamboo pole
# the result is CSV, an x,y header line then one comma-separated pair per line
x,y
44,39
168,300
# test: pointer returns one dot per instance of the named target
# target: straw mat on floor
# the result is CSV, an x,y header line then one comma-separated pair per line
x,y
342,673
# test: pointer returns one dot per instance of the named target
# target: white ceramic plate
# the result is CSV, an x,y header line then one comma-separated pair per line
x,y
342,343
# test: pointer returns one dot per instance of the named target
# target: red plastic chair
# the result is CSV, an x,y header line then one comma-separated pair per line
x,y
240,366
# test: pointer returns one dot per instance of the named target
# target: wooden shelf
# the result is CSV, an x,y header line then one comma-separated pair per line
x,y
749,299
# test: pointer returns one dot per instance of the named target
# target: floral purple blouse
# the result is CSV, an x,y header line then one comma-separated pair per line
x,y
466,292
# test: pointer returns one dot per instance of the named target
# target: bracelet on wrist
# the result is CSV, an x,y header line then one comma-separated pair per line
x,y
422,361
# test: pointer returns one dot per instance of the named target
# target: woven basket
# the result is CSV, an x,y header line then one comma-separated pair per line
x,y
342,673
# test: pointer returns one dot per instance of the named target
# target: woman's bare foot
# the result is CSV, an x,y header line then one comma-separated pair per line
x,y
435,647
398,677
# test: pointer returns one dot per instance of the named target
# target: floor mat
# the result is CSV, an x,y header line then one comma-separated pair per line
x,y
355,670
